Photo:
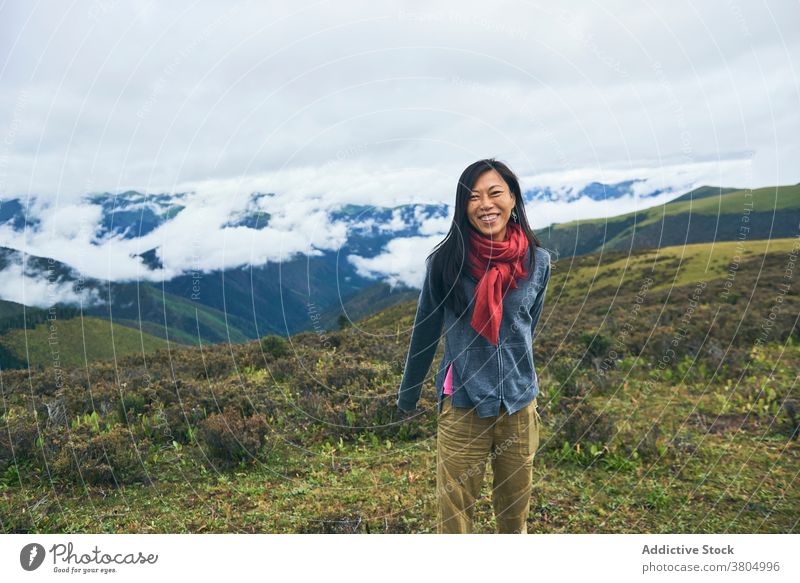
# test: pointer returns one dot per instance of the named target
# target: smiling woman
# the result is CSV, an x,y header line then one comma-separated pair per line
x,y
490,205
486,283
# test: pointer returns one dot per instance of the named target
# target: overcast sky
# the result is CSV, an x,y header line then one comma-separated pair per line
x,y
386,102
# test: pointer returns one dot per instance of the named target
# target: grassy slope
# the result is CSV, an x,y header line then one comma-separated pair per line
x,y
689,264
711,202
762,199
185,324
76,341
710,214
184,319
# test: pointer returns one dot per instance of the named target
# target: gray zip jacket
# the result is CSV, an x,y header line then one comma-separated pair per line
x,y
484,375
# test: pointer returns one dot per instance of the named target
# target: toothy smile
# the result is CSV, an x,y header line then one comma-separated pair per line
x,y
489,218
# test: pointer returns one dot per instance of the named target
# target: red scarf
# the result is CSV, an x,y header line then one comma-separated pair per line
x,y
496,265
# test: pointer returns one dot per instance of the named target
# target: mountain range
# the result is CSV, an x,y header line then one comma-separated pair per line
x,y
323,291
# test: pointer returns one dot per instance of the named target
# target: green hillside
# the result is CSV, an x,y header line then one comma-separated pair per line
x,y
704,215
73,342
669,267
760,200
181,320
140,312
364,303
9,309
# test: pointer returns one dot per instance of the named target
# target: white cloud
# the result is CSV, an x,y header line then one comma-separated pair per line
x,y
400,263
379,104
195,239
111,96
31,289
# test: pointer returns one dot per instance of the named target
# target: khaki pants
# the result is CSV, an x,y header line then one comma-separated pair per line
x,y
463,442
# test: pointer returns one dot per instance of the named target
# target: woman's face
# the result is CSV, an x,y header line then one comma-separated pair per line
x,y
489,205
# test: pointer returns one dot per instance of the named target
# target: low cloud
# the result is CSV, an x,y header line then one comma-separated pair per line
x,y
17,284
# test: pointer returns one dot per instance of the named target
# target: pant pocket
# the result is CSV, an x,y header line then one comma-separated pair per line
x,y
447,405
533,434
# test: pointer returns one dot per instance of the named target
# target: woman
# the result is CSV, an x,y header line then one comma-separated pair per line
x,y
486,283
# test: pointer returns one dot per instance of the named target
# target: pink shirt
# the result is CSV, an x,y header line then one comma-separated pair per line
x,y
448,381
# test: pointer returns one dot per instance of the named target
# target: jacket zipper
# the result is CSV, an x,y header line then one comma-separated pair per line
x,y
500,364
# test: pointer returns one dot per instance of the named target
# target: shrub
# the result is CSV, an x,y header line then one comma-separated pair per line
x,y
229,437
597,345
108,458
130,406
604,382
582,433
356,377
274,347
565,378
215,364
18,434
585,424
181,420
283,368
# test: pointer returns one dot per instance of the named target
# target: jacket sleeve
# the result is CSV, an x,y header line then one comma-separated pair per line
x,y
424,340
536,309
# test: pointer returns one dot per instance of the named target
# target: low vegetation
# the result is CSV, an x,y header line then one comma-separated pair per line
x,y
667,400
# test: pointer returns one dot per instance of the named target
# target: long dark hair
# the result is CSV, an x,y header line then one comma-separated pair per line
x,y
449,256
